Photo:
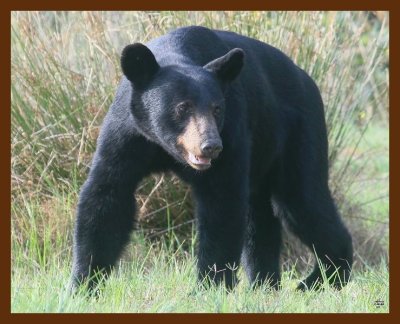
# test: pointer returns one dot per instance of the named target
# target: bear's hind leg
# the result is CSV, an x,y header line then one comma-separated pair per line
x,y
316,222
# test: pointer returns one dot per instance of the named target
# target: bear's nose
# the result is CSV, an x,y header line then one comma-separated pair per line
x,y
211,148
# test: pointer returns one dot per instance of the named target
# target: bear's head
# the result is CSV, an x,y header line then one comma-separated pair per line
x,y
181,106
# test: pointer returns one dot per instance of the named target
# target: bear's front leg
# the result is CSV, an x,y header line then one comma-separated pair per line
x,y
221,209
105,219
106,208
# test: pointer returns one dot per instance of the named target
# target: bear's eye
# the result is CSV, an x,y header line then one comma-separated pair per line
x,y
217,110
183,108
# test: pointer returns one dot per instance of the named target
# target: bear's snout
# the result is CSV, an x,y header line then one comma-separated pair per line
x,y
212,148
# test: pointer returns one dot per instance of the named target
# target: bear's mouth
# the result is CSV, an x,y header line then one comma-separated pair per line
x,y
198,162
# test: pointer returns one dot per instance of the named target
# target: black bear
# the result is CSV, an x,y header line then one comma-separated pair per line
x,y
244,126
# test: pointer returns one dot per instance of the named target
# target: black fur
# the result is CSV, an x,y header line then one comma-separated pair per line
x,y
270,119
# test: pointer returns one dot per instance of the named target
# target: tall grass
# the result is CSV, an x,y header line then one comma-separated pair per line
x,y
65,69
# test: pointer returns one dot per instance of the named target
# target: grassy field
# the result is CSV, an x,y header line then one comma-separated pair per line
x,y
161,279
65,68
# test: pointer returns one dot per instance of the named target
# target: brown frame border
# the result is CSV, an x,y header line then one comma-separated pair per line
x,y
5,163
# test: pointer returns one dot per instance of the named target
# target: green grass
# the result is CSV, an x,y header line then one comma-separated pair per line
x,y
169,286
158,279
65,69
374,183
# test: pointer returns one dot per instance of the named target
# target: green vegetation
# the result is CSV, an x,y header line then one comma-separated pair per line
x,y
65,69
162,279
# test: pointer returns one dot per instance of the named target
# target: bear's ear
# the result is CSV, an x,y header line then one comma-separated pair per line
x,y
138,64
227,67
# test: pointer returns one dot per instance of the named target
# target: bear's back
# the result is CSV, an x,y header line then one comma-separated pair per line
x,y
198,44
265,65
202,45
